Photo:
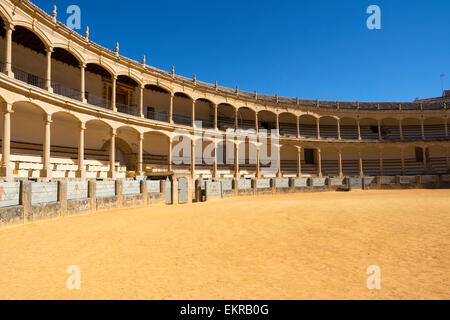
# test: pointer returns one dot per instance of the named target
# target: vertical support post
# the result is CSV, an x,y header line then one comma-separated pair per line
x,y
256,123
193,158
339,129
318,127
299,162
236,159
361,168
401,129
279,173
422,127
258,164
171,108
81,169
169,156
298,127
5,169
48,79
112,155
140,159
141,101
83,83
215,175
215,116
193,113
424,153
47,172
358,122
319,162
113,93
9,28
380,137
236,119
341,173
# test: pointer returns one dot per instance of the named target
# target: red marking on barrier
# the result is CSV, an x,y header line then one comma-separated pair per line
x,y
1,193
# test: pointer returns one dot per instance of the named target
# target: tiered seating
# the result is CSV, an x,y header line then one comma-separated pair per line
x,y
371,167
288,129
434,132
412,167
350,167
392,167
330,167
369,133
349,132
328,132
390,132
308,130
412,132
438,165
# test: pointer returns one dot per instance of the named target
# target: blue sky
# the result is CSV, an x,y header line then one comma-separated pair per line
x,y
315,49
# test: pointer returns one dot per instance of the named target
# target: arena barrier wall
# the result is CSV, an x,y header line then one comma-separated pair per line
x,y
26,201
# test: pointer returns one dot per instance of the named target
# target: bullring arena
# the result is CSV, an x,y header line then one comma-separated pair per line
x,y
88,143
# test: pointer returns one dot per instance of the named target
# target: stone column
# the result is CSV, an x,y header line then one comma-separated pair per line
x,y
9,28
193,114
258,164
422,127
215,116
81,169
277,123
341,173
236,119
236,160
113,94
140,159
171,108
299,162
6,171
215,160
256,123
379,130
401,129
112,155
318,127
83,83
319,162
381,161
298,126
361,168
193,158
48,79
279,173
359,129
339,129
47,172
141,101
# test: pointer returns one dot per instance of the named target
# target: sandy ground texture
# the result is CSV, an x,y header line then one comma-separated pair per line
x,y
296,246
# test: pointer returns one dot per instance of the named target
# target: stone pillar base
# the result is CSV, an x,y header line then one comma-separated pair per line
x,y
46,173
81,174
6,173
9,73
112,174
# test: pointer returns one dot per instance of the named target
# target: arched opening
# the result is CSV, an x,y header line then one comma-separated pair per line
x,y
27,140
155,152
390,129
2,45
97,139
127,144
226,114
181,156
156,103
182,109
246,118
350,161
349,129
371,161
412,129
247,157
204,112
392,164
438,159
66,74
328,128
64,138
308,126
434,128
127,95
288,124
330,161
288,161
225,157
309,159
98,86
29,61
414,159
267,120
369,129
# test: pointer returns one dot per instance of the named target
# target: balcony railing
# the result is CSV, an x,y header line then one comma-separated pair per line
x,y
66,91
128,109
98,101
2,67
182,119
159,116
29,78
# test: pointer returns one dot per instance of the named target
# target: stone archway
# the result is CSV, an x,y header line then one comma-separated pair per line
x,y
124,153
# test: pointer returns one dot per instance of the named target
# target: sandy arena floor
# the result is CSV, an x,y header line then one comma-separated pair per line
x,y
298,246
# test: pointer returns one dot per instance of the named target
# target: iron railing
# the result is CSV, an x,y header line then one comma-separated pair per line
x,y
66,91
182,119
128,109
159,116
29,78
98,101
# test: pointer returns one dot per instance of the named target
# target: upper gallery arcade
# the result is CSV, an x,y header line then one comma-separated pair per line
x,y
82,110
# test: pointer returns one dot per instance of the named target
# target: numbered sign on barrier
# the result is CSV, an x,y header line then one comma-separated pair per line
x,y
77,190
336,181
213,190
244,184
386,180
9,194
262,183
281,183
44,192
105,189
301,182
153,186
131,187
227,185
